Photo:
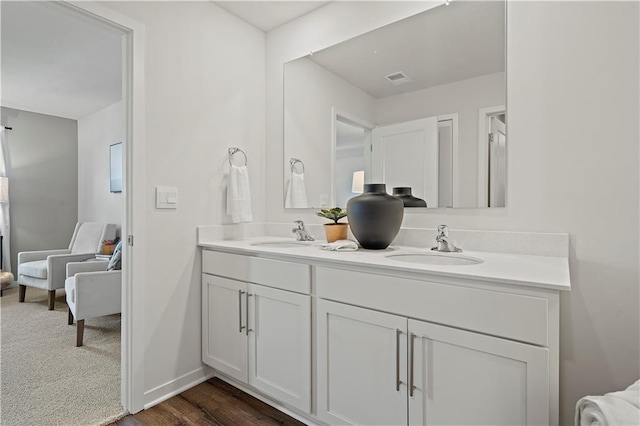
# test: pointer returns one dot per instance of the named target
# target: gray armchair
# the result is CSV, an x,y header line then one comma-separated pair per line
x,y
46,269
91,292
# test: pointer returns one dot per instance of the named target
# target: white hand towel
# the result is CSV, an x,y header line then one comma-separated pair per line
x,y
340,245
615,408
239,195
296,197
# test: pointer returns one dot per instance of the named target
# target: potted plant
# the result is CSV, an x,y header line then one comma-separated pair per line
x,y
334,231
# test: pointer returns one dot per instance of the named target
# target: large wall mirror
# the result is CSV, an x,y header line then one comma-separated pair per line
x,y
419,103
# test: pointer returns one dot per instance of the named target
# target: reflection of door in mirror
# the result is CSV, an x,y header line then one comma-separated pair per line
x,y
445,137
492,159
352,142
406,154
448,161
497,161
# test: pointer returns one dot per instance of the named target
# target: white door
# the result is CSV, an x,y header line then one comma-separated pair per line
x,y
280,345
361,362
497,163
224,340
406,154
464,378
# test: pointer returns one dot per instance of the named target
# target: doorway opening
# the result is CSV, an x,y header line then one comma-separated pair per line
x,y
134,277
131,355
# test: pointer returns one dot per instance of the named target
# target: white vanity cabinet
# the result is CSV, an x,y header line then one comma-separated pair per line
x,y
259,334
385,362
389,344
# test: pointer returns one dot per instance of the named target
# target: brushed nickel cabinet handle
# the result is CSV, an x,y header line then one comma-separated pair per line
x,y
411,344
247,313
398,381
240,326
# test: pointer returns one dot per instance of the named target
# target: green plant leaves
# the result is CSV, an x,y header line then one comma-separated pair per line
x,y
334,214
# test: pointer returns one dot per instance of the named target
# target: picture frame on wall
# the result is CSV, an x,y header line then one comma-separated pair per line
x,y
115,164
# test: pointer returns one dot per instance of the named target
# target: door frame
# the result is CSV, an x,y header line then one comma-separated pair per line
x,y
455,149
133,67
483,150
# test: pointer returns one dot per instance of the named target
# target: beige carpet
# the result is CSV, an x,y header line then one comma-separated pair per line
x,y
44,378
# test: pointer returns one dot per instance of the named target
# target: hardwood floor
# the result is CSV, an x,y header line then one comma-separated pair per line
x,y
213,402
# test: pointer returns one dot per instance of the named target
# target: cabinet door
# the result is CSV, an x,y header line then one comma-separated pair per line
x,y
224,340
465,378
280,345
361,360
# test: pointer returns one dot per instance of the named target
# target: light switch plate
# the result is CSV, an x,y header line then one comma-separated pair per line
x,y
166,197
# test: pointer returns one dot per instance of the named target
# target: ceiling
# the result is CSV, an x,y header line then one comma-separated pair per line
x,y
58,62
267,15
442,45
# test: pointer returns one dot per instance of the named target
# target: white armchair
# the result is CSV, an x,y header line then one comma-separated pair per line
x,y
91,292
47,269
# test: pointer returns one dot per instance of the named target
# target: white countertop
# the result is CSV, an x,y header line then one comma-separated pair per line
x,y
514,269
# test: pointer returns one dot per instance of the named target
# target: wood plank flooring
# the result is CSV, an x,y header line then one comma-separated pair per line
x,y
213,402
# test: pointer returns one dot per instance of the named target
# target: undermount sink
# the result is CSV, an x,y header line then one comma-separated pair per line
x,y
282,244
435,258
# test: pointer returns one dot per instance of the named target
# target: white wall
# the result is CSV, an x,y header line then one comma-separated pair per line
x,y
572,99
465,97
43,180
205,91
311,92
96,132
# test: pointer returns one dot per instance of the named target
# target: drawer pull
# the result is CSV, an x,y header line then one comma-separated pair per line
x,y
240,326
247,313
398,381
412,338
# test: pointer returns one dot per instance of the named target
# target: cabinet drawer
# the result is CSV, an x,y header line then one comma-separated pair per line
x,y
513,316
273,273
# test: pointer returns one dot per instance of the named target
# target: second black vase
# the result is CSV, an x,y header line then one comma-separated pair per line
x,y
375,217
404,193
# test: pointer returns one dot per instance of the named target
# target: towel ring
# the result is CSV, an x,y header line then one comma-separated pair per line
x,y
233,151
294,161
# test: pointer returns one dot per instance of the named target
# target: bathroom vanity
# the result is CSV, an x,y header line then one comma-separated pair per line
x,y
370,337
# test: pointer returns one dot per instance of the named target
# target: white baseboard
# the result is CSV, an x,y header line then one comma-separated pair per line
x,y
176,386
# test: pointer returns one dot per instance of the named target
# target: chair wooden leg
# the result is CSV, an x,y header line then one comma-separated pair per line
x,y
52,299
70,322
22,293
79,332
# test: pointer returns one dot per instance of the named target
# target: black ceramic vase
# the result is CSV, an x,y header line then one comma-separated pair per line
x,y
404,193
375,217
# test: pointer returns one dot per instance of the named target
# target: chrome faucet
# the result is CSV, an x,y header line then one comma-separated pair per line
x,y
301,232
442,241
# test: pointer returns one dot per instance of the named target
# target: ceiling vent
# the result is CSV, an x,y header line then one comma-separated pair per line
x,y
398,78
